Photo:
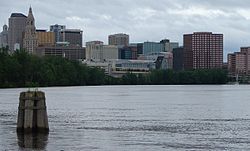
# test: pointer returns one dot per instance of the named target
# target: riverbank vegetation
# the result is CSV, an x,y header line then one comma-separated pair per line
x,y
23,70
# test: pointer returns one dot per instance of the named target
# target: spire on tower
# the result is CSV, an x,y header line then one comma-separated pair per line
x,y
30,10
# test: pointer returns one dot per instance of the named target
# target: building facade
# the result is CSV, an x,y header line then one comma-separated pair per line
x,y
4,37
140,48
173,45
169,46
96,51
119,40
178,57
128,52
239,62
121,67
70,53
110,52
152,47
57,29
17,24
45,38
72,36
30,41
203,50
246,52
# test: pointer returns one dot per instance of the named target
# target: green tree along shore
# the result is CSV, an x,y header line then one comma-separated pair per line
x,y
24,70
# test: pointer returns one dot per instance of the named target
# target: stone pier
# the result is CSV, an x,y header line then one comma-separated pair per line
x,y
32,113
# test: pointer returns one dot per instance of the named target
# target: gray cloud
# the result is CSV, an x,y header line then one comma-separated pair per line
x,y
142,19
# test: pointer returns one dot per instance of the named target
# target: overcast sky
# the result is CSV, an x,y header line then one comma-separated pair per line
x,y
143,20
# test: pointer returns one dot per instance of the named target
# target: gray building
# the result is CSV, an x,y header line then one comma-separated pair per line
x,y
152,47
178,57
72,36
17,24
119,40
173,45
71,53
57,29
4,37
169,46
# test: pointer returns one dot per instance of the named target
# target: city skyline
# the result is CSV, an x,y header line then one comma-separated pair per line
x,y
165,19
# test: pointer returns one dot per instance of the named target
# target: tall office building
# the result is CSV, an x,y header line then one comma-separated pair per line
x,y
128,52
119,40
57,29
239,62
4,37
17,24
173,45
178,59
68,52
45,38
72,36
94,50
169,46
30,38
152,47
203,50
97,52
110,52
139,49
166,45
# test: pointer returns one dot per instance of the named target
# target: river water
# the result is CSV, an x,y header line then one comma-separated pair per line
x,y
135,118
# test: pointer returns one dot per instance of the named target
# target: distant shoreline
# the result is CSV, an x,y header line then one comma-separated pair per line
x,y
22,70
31,88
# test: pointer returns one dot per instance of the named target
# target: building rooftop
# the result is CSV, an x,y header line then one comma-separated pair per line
x,y
119,34
56,25
94,42
18,15
203,33
71,30
41,30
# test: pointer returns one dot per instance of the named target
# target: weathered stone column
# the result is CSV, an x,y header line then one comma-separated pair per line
x,y
32,113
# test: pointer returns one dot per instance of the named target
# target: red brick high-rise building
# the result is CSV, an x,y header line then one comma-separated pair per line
x,y
203,50
239,62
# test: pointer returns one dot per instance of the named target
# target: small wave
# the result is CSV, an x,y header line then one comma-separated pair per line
x,y
221,120
120,120
195,146
111,109
232,140
170,129
6,115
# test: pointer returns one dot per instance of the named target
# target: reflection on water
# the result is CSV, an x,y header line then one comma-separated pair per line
x,y
32,141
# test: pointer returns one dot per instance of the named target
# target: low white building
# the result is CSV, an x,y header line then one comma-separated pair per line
x,y
110,52
119,67
96,51
163,60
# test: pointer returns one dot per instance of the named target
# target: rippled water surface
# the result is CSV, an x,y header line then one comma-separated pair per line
x,y
135,118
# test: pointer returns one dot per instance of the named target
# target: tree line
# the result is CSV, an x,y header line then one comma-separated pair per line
x,y
170,77
24,70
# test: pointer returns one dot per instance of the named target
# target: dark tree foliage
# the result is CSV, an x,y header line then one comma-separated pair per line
x,y
24,70
170,77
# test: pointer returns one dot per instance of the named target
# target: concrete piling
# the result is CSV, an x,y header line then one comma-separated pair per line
x,y
33,140
32,113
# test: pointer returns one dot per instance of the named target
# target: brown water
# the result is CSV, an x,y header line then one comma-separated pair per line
x,y
135,118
